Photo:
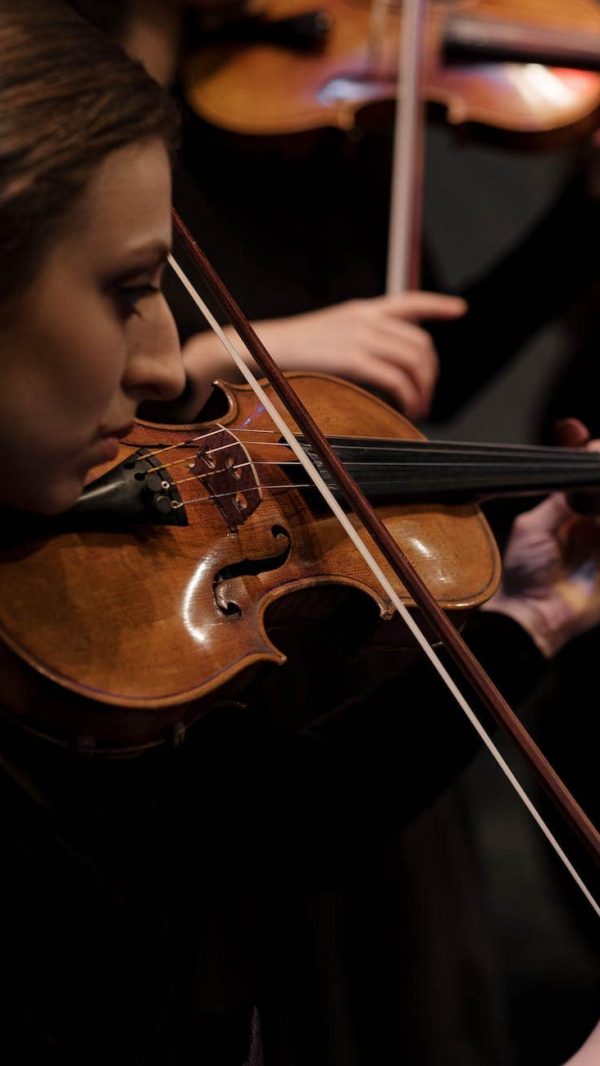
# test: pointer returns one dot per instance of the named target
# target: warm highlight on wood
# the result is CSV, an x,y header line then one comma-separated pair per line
x,y
147,617
265,89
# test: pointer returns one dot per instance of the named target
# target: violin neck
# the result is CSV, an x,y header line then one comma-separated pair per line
x,y
445,471
467,37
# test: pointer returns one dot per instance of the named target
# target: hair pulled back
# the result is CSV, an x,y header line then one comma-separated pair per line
x,y
68,97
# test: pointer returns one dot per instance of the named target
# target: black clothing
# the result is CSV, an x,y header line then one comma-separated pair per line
x,y
551,273
148,903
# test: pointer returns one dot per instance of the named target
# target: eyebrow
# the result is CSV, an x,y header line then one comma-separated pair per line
x,y
146,258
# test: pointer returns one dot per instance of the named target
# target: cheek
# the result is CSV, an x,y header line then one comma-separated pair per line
x,y
71,355
91,363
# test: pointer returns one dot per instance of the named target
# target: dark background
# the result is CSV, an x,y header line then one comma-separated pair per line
x,y
546,941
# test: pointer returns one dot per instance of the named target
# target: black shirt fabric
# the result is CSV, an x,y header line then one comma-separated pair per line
x,y
149,903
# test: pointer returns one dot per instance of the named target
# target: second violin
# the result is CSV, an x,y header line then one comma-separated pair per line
x,y
265,88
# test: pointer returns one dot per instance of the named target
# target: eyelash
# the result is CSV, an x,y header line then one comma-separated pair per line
x,y
129,296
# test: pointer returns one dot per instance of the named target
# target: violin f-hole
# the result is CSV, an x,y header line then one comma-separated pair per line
x,y
226,599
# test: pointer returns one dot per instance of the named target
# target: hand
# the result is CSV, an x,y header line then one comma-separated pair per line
x,y
374,342
551,579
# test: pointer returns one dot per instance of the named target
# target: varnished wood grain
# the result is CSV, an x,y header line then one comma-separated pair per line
x,y
266,89
131,617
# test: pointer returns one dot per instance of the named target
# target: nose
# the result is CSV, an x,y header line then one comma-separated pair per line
x,y
154,369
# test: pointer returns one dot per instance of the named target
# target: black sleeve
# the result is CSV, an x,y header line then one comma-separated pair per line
x,y
393,750
532,285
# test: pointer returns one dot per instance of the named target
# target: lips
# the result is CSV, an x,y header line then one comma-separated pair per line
x,y
118,433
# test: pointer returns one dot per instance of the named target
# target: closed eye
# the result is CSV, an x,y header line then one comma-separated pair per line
x,y
129,296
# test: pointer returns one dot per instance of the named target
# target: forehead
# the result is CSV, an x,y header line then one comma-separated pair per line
x,y
126,205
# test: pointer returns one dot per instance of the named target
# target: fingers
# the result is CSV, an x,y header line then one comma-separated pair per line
x,y
416,306
392,353
570,433
375,342
397,384
400,358
546,517
403,359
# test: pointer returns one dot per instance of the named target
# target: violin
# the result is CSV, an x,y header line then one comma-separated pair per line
x,y
263,87
195,534
159,626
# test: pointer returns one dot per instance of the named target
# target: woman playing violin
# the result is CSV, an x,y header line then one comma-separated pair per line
x,y
380,342
146,902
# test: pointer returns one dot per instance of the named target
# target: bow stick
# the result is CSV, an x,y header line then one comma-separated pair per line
x,y
404,239
468,665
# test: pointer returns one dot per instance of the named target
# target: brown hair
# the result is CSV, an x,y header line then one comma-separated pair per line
x,y
68,97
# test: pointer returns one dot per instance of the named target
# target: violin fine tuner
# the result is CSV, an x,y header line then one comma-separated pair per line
x,y
136,490
142,488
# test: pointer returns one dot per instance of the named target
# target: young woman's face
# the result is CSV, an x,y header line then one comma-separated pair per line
x,y
91,337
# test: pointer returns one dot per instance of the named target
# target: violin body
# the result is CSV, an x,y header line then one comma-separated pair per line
x,y
265,89
120,630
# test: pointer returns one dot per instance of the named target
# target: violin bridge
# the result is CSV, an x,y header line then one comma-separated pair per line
x,y
225,468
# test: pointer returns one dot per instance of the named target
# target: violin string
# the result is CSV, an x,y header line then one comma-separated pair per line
x,y
240,466
469,465
383,580
188,459
177,505
372,484
209,451
180,444
195,477
428,455
169,466
203,436
432,452
422,462
404,444
361,465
